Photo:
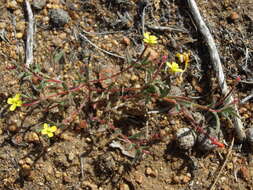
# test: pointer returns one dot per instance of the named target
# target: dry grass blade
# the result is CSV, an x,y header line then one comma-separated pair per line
x,y
223,166
216,64
29,36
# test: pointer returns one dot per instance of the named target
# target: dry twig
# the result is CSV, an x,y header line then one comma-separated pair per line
x,y
104,51
216,64
29,36
224,164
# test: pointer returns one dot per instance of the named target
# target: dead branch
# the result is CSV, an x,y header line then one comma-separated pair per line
x,y
215,59
29,36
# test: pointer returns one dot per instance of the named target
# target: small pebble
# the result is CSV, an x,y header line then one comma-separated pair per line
x,y
138,178
19,35
244,173
234,16
124,186
150,172
126,41
32,137
71,156
12,5
2,25
13,128
59,17
20,26
185,138
39,4
153,55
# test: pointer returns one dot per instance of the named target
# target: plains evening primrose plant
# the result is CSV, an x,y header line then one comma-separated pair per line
x,y
149,39
15,102
184,58
47,130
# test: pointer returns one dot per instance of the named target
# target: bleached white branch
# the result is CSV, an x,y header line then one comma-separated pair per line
x,y
29,36
215,59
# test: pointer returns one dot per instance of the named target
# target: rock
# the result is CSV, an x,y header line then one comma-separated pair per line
x,y
19,35
87,184
58,17
32,137
234,16
2,25
71,156
152,54
20,26
249,135
126,41
138,178
204,143
12,5
124,186
151,172
13,128
185,138
39,4
244,173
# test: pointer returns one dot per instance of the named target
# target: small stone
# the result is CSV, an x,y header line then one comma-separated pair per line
x,y
12,5
25,170
59,17
204,142
67,179
249,135
152,54
138,178
20,26
66,136
87,184
32,137
150,172
39,4
29,161
185,138
19,35
176,179
126,41
71,156
234,16
186,179
244,173
124,186
2,25
13,128
1,131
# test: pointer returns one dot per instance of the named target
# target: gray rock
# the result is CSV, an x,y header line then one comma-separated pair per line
x,y
249,135
39,4
185,138
58,17
204,142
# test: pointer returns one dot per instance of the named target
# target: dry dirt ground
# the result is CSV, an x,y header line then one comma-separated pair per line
x,y
92,120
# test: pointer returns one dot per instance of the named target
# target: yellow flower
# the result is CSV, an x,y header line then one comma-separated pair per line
x,y
15,102
174,68
149,39
47,130
184,58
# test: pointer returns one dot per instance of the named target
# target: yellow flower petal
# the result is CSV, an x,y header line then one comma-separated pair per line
x,y
45,126
10,101
50,135
44,132
53,129
13,107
